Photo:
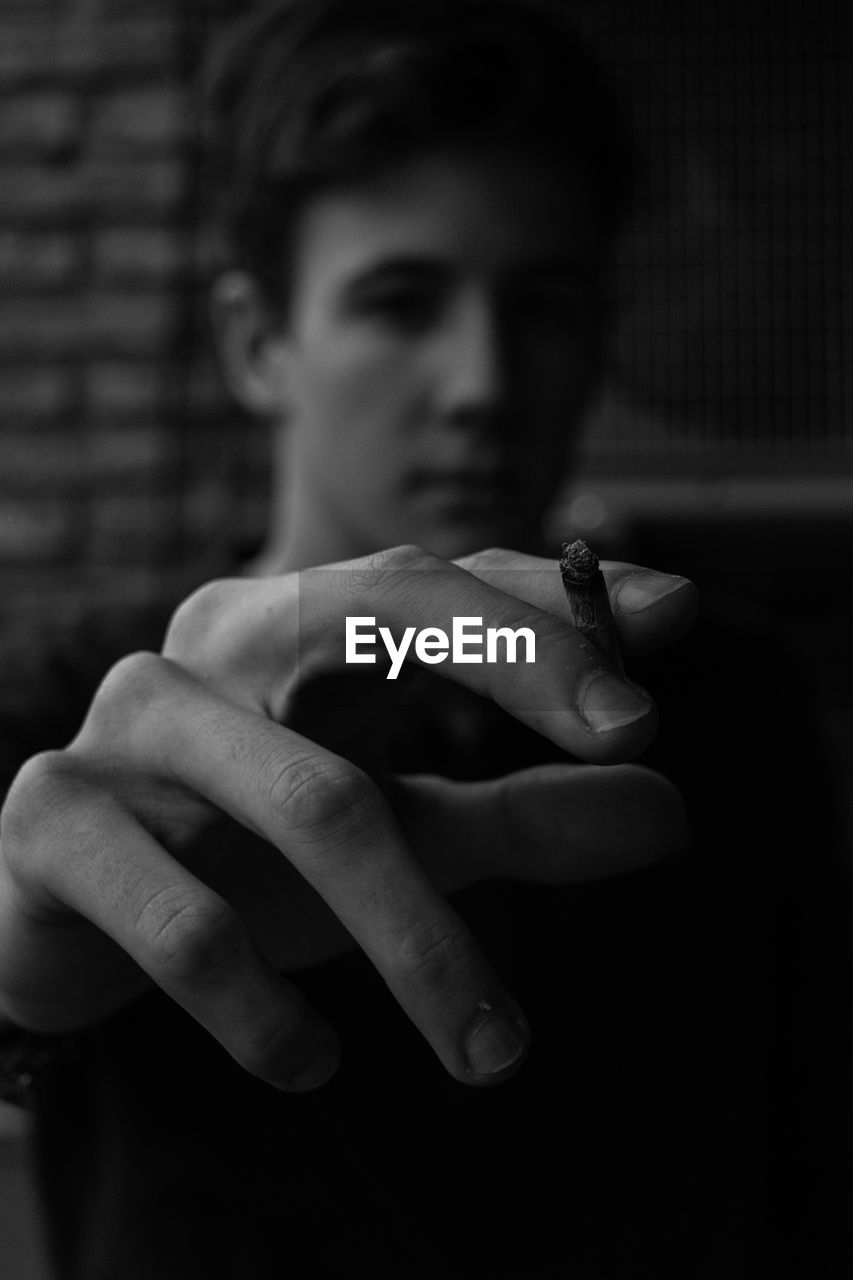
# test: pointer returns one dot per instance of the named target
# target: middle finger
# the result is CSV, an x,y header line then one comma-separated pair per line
x,y
331,822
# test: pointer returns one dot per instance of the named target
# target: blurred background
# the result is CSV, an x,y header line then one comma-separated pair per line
x,y
721,445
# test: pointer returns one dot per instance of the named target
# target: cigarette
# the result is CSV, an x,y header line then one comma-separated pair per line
x,y
586,592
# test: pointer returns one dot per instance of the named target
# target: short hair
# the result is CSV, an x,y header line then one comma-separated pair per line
x,y
306,94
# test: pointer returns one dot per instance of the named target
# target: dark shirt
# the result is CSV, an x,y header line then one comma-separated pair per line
x,y
684,1108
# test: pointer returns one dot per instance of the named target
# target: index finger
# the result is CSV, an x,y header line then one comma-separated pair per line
x,y
563,687
651,609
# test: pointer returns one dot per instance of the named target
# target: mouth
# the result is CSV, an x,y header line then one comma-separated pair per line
x,y
478,485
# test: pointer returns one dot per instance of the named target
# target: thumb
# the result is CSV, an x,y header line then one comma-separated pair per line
x,y
553,824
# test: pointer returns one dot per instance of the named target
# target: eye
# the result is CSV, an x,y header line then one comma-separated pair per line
x,y
403,308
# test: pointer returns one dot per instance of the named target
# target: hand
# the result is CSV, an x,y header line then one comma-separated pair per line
x,y
106,883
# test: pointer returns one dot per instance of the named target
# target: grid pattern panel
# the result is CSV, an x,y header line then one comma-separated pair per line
x,y
733,345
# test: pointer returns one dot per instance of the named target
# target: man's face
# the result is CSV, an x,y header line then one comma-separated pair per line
x,y
441,339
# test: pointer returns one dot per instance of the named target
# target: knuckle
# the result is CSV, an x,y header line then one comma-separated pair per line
x,y
321,799
542,624
384,569
189,937
551,632
199,616
131,684
133,690
406,556
431,956
486,558
38,790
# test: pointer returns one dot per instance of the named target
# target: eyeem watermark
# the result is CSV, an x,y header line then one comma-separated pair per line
x,y
467,643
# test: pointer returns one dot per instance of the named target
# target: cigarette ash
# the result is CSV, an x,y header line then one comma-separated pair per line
x,y
578,563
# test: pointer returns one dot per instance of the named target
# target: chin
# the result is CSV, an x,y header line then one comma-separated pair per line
x,y
462,537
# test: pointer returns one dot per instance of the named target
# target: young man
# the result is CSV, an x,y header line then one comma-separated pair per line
x,y
417,198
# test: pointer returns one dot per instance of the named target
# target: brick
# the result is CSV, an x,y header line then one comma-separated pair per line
x,y
211,250
42,462
36,53
64,196
141,526
81,52
39,262
207,394
68,326
138,454
116,588
43,195
139,324
136,192
43,530
111,8
214,514
144,119
147,44
31,7
126,389
47,124
39,598
35,393
130,256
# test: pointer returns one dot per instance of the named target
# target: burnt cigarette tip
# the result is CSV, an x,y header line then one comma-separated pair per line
x,y
578,563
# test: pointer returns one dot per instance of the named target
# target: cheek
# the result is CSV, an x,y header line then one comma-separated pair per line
x,y
360,392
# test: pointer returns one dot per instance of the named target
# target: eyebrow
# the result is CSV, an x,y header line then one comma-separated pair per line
x,y
410,266
433,270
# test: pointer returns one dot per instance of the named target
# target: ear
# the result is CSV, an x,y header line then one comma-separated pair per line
x,y
251,348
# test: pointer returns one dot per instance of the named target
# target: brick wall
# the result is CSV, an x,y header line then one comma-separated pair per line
x,y
107,490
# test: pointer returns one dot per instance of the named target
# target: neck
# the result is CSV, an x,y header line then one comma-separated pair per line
x,y
298,533
302,532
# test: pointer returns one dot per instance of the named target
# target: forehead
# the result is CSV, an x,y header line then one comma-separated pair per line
x,y
488,212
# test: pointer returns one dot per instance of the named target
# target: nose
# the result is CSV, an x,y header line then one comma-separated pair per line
x,y
474,378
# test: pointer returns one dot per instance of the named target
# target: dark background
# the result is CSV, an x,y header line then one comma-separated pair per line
x,y
728,375
721,446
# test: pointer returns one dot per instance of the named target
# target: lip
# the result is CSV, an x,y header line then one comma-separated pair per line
x,y
476,480
466,493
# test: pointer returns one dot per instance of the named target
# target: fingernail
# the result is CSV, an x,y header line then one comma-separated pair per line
x,y
642,589
318,1072
606,702
494,1042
